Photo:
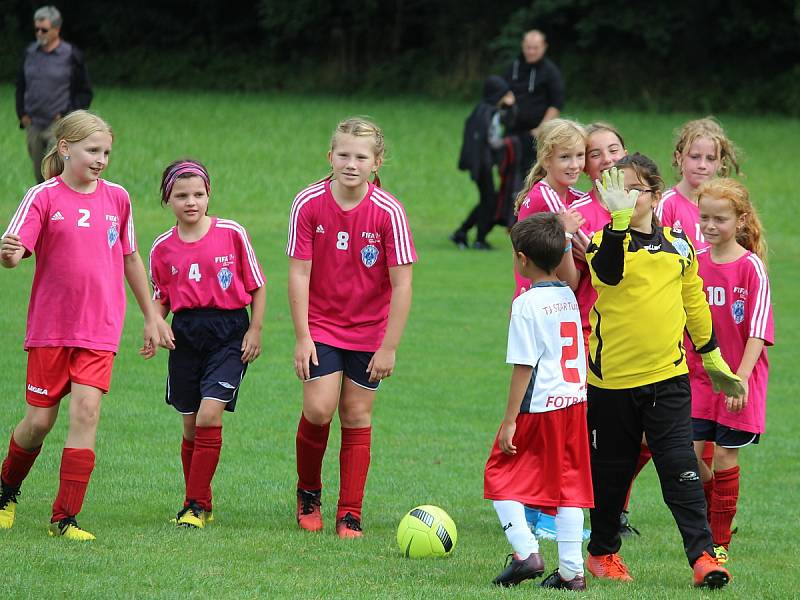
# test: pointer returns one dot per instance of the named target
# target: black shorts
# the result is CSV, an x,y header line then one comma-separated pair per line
x,y
705,430
207,359
353,363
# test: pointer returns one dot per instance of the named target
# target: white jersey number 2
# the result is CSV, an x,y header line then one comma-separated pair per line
x,y
84,220
194,272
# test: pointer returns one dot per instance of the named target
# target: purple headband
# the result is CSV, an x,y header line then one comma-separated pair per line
x,y
181,169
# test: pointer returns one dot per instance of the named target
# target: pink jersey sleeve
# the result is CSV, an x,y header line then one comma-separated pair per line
x,y
29,218
397,234
760,317
127,233
301,222
665,209
251,271
157,276
541,198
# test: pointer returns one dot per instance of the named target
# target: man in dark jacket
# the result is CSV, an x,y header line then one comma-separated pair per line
x,y
481,150
52,82
539,89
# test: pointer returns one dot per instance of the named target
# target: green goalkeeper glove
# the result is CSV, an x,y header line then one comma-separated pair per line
x,y
722,378
619,202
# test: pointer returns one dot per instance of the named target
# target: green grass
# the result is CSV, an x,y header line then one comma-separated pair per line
x,y
434,420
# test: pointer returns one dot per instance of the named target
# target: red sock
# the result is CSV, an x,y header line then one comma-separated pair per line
x,y
18,463
353,467
187,449
708,454
708,489
207,446
644,458
76,469
311,442
723,504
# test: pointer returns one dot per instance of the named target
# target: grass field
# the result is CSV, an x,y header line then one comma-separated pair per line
x,y
434,420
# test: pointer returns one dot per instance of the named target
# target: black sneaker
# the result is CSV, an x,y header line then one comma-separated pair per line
x,y
459,238
482,245
518,570
555,581
625,527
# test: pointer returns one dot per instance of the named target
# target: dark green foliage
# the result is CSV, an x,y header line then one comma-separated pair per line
x,y
682,55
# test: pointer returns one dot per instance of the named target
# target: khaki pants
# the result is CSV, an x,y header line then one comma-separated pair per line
x,y
39,142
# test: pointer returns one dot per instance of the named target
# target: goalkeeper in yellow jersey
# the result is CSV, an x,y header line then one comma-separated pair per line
x,y
648,290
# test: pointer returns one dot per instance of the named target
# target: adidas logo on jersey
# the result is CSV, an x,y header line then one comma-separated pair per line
x,y
174,270
57,216
320,229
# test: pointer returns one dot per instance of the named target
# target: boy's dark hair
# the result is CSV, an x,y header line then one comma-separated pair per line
x,y
541,238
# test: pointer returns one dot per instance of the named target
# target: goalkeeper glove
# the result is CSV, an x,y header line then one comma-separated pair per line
x,y
619,202
722,378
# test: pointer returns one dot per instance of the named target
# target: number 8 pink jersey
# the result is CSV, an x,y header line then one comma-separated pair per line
x,y
545,333
351,253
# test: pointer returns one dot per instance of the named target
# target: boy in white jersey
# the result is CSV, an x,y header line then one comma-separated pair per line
x,y
541,454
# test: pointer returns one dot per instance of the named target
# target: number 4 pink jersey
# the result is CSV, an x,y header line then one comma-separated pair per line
x,y
218,271
351,252
78,293
677,211
739,297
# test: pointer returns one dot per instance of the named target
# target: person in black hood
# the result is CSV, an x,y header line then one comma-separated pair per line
x,y
539,89
482,148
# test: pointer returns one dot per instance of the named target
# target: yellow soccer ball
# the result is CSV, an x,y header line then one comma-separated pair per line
x,y
426,531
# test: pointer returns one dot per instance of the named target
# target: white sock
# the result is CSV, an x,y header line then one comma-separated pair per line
x,y
512,518
569,535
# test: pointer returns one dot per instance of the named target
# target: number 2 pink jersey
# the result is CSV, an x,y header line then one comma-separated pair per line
x,y
351,252
597,217
218,271
541,198
78,292
739,297
677,211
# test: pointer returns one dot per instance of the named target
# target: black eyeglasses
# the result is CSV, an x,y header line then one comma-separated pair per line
x,y
41,29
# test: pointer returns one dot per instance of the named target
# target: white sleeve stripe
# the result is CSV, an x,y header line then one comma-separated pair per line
x,y
552,200
251,255
22,210
758,324
399,225
160,239
298,203
584,200
660,206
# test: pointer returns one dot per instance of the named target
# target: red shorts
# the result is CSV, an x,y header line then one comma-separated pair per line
x,y
551,466
52,369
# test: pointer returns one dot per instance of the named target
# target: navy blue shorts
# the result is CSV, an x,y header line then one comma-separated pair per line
x,y
353,363
705,430
207,359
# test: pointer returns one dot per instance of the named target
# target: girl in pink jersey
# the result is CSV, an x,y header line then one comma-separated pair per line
x,y
561,151
205,271
702,152
81,229
737,287
350,263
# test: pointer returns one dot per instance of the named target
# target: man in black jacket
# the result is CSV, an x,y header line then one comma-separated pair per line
x,y
52,82
539,90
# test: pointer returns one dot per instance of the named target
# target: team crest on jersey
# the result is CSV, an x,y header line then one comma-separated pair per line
x,y
225,277
369,255
113,235
737,310
682,247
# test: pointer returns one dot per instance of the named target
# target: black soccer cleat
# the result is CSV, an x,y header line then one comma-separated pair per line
x,y
518,570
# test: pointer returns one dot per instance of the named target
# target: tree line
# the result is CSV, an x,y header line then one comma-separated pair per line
x,y
717,55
